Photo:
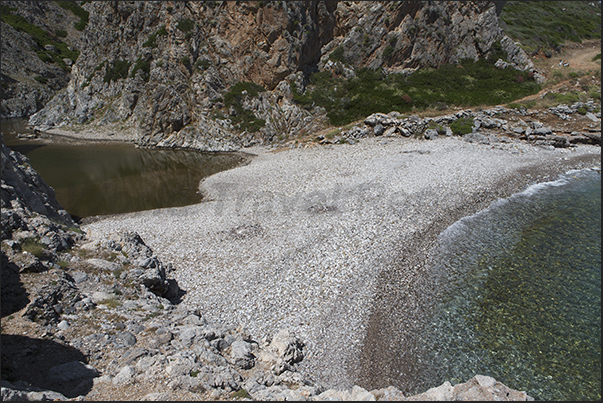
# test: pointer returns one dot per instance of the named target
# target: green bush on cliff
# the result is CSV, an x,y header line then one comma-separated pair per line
x,y
78,11
185,25
151,42
143,65
118,71
243,118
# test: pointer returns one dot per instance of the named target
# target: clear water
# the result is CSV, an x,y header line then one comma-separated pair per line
x,y
111,178
521,294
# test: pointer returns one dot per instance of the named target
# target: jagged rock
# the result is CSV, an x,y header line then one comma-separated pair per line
x,y
53,299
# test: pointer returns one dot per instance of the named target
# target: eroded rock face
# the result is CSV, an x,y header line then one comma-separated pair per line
x,y
159,71
28,83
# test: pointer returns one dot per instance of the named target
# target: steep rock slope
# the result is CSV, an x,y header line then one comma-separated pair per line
x,y
27,81
164,72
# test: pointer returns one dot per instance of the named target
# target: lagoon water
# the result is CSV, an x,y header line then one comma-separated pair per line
x,y
111,178
521,294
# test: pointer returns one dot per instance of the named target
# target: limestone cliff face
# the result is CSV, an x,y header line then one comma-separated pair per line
x,y
159,70
27,82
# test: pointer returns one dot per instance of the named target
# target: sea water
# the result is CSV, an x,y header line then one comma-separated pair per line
x,y
521,294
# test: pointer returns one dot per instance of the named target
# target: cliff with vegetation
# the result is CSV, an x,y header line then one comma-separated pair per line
x,y
223,75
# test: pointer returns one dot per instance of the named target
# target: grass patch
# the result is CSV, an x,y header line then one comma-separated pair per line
x,y
567,98
111,302
467,84
241,394
151,316
542,25
332,133
597,57
33,246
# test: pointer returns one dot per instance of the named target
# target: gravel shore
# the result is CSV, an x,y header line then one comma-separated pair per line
x,y
332,242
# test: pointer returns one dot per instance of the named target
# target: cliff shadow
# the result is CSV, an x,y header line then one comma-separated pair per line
x,y
14,295
31,360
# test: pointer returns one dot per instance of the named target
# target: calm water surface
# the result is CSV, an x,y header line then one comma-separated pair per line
x,y
521,298
110,178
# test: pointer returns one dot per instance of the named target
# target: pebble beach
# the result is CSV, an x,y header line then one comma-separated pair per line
x,y
333,242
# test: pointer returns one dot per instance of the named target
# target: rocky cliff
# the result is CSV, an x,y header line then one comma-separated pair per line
x,y
165,73
31,31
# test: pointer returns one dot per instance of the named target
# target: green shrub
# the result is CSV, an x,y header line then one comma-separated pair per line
x,y
235,94
244,119
78,11
388,52
337,55
462,126
582,110
548,24
151,42
597,57
474,83
202,64
60,33
514,105
143,65
185,60
44,56
185,25
118,71
41,38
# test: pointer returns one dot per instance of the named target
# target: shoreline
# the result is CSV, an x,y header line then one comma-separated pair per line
x,y
309,239
418,257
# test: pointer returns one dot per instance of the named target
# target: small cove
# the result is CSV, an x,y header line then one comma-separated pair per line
x,y
103,178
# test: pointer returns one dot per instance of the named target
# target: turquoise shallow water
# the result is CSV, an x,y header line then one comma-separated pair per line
x,y
521,294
